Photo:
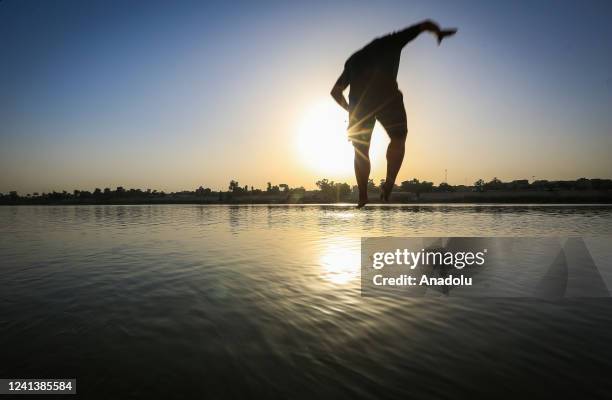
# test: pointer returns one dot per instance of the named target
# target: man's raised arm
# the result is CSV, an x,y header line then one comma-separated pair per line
x,y
338,90
407,35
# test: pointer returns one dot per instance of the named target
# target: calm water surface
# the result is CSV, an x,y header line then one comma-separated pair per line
x,y
238,301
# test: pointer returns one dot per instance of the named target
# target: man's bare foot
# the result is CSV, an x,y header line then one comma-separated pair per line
x,y
362,202
385,193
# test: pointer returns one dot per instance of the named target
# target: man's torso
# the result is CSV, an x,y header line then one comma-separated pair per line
x,y
373,71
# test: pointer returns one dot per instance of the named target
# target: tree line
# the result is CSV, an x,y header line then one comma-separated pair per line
x,y
327,191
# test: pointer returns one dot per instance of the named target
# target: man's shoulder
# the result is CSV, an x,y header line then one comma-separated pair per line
x,y
382,42
372,51
388,41
364,53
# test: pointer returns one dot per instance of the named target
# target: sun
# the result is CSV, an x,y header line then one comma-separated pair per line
x,y
322,142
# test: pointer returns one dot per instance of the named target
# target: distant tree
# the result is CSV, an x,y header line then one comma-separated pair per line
x,y
324,185
494,184
284,186
519,184
541,184
426,187
413,186
343,191
584,184
479,185
372,186
334,191
445,187
299,190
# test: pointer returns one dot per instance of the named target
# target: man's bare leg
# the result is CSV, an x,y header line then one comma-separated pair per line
x,y
395,156
362,171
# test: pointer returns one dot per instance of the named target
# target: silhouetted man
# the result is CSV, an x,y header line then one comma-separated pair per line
x,y
372,74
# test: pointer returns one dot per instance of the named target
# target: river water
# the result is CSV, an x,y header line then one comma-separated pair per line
x,y
235,301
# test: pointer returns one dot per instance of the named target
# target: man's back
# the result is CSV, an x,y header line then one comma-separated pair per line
x,y
372,71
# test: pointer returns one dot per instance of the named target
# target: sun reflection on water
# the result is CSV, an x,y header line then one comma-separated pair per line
x,y
340,260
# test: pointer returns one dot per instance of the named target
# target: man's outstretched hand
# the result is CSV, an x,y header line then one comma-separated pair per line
x,y
444,33
431,26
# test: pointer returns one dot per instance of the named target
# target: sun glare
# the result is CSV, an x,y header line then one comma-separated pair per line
x,y
322,141
340,260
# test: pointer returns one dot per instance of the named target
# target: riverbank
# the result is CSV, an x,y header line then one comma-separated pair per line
x,y
317,197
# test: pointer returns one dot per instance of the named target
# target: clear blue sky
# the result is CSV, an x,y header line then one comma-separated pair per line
x,y
176,94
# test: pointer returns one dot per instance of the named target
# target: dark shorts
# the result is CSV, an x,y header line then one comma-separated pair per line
x,y
390,113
